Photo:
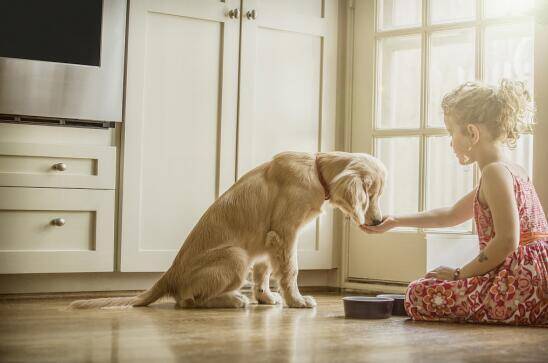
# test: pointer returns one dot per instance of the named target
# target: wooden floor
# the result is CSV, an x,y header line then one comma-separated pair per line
x,y
46,331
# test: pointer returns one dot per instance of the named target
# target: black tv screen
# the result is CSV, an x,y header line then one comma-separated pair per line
x,y
65,31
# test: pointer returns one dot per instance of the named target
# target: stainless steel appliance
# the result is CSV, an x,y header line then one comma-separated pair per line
x,y
62,60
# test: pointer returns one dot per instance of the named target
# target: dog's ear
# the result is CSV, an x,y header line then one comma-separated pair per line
x,y
355,196
367,182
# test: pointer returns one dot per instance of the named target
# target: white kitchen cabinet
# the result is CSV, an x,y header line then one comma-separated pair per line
x,y
57,200
179,138
56,230
208,100
287,95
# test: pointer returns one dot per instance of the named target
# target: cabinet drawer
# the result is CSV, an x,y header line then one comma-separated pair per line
x,y
57,166
56,230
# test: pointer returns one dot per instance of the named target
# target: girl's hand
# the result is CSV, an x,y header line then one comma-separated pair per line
x,y
387,224
441,273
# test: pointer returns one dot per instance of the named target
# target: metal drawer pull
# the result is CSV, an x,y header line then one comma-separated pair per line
x,y
59,222
252,14
234,14
60,166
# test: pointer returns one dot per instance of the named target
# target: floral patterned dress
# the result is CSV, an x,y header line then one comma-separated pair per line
x,y
516,292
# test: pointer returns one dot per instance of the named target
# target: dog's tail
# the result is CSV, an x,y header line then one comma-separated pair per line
x,y
158,290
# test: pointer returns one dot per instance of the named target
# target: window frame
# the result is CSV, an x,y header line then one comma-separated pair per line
x,y
409,252
424,131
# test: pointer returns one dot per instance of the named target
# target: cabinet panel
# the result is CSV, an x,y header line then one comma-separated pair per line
x,y
36,230
180,109
180,129
287,95
58,166
56,230
310,8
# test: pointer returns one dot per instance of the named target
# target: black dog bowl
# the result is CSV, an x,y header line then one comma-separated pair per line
x,y
398,308
367,307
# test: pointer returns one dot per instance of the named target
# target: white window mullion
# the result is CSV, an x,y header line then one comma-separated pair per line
x,y
424,104
422,174
480,38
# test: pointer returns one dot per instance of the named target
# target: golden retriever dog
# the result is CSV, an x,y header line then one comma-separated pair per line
x,y
256,224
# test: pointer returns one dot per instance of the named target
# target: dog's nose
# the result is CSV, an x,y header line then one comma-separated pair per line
x,y
376,222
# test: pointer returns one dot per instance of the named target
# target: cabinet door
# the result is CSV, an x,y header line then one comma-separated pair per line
x,y
179,138
287,94
46,230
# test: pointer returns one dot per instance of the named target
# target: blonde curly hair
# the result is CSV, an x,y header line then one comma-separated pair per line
x,y
506,111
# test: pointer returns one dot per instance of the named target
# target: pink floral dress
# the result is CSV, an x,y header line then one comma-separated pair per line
x,y
516,292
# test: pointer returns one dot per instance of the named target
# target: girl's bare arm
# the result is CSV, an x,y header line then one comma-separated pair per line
x,y
435,218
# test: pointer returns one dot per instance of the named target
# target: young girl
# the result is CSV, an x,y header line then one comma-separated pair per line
x,y
507,282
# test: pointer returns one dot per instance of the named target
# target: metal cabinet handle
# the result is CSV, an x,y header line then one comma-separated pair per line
x,y
58,222
60,166
234,13
251,14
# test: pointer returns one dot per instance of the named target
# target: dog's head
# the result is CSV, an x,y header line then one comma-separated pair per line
x,y
356,190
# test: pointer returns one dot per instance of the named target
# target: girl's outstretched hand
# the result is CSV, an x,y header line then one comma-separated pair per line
x,y
387,224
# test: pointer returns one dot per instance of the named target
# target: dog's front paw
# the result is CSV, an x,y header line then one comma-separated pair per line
x,y
268,298
310,301
302,302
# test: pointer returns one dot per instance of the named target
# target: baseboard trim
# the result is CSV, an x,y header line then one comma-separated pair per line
x,y
368,288
76,282
68,295
123,293
104,282
378,282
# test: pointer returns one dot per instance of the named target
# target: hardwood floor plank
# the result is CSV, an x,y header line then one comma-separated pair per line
x,y
45,330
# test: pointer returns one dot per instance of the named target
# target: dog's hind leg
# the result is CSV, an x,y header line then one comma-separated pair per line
x,y
233,299
214,279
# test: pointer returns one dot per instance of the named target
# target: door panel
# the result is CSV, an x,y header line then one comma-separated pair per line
x,y
287,98
293,83
180,147
180,127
